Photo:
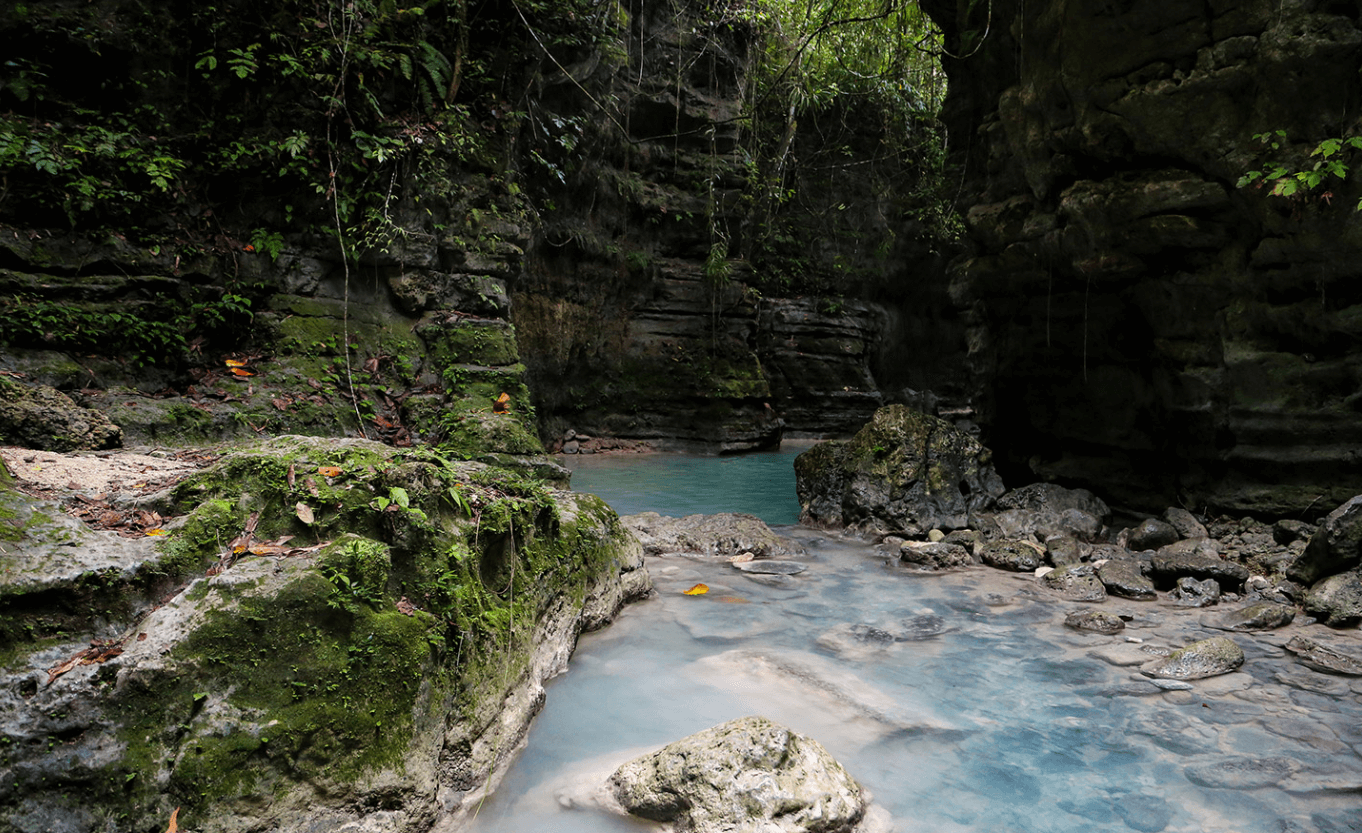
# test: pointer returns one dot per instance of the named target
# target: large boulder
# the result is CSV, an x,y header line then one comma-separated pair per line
x,y
725,534
1336,546
904,470
339,572
38,416
1337,600
746,774
1187,559
1123,577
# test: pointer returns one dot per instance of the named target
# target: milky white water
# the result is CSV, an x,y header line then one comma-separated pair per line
x,y
982,713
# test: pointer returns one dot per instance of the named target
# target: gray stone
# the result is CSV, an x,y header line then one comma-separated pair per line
x,y
1325,657
1078,582
1096,621
918,628
1191,559
771,568
1122,577
746,774
1173,685
1207,658
1049,497
934,556
1336,546
1337,600
1193,593
1185,523
1287,531
726,534
1152,534
1063,550
1261,616
1018,556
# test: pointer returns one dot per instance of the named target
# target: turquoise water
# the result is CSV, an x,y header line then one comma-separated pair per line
x,y
987,714
761,484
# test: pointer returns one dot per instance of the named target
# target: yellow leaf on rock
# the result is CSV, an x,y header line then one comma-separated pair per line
x,y
697,590
241,371
329,471
156,532
174,821
234,363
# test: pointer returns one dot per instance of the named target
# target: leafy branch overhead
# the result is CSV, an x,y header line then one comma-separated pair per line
x,y
275,108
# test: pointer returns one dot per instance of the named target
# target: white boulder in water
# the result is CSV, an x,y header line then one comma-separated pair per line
x,y
747,774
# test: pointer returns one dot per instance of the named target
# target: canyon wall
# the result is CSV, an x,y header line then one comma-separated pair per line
x,y
1137,322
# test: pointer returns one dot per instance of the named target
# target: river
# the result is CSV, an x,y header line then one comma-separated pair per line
x,y
960,701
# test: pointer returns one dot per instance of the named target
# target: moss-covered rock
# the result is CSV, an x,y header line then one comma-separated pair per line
x,y
37,416
373,634
905,470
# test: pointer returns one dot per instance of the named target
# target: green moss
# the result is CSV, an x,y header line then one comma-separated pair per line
x,y
326,694
471,342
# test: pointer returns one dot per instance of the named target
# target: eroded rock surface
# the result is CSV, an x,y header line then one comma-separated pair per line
x,y
726,534
903,471
746,774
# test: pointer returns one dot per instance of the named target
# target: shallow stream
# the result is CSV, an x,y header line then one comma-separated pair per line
x,y
960,701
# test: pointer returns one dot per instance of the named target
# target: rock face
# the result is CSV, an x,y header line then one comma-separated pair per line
x,y
348,666
1136,323
747,774
38,416
904,470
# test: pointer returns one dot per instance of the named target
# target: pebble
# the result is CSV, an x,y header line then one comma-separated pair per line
x,y
1172,685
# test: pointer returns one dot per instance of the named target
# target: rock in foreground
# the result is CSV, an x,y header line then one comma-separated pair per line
x,y
725,534
746,774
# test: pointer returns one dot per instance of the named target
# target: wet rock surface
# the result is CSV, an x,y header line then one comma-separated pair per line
x,y
727,535
1207,658
748,773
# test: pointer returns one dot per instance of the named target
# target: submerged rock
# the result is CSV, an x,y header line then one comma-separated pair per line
x,y
771,568
746,774
1207,658
1261,616
1324,657
904,470
1242,773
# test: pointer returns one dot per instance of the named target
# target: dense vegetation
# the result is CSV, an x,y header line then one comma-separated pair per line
x,y
247,126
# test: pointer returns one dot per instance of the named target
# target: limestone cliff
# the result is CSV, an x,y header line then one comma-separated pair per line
x,y
1137,323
